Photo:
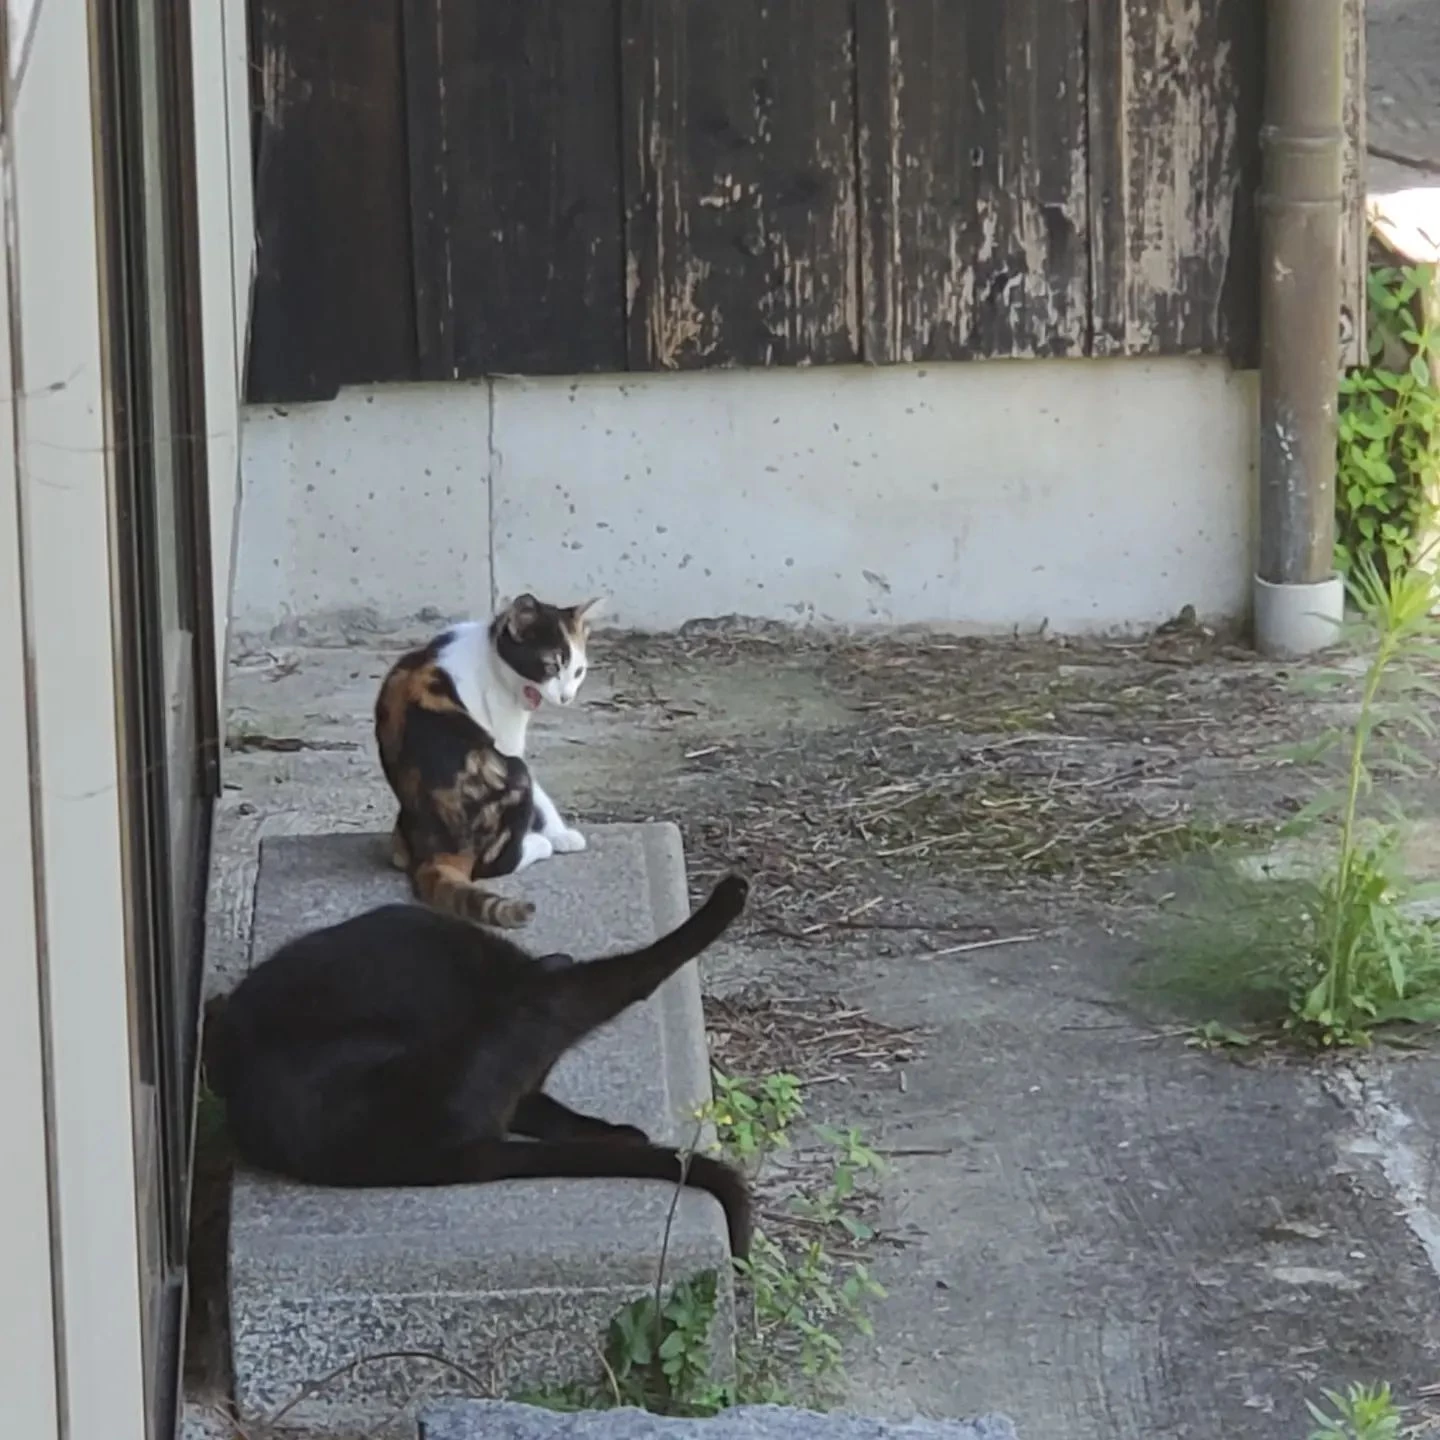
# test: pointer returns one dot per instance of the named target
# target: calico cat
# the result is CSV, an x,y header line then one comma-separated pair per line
x,y
450,723
401,1046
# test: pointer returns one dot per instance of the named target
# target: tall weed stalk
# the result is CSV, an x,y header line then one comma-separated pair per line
x,y
1376,960
1339,948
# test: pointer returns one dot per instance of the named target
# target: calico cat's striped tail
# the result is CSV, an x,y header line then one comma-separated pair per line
x,y
444,882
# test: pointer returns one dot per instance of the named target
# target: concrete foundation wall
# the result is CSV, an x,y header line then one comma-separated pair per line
x,y
1089,495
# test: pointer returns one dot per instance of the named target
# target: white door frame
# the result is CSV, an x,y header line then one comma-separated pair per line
x,y
67,955
27,1317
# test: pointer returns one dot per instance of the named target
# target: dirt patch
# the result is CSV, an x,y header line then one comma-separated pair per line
x,y
888,768
753,1032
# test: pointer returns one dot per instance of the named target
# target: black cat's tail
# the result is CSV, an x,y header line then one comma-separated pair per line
x,y
488,1160
599,990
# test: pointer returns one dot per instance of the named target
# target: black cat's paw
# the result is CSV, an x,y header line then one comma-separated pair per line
x,y
557,961
628,1135
730,894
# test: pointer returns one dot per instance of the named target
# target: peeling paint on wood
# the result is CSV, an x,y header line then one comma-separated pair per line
x,y
561,186
740,193
972,129
1176,152
513,113
1177,98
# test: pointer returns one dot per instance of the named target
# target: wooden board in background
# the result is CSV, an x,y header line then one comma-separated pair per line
x,y
1176,95
972,129
514,134
740,183
332,302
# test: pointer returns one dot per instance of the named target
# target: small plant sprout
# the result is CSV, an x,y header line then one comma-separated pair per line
x,y
753,1118
1363,1412
802,1298
660,1360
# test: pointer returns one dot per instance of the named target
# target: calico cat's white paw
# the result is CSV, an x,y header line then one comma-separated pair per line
x,y
532,848
566,841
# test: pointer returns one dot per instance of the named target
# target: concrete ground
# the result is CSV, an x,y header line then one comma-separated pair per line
x,y
1088,1223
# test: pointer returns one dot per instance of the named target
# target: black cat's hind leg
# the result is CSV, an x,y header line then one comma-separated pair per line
x,y
542,1117
594,1159
418,1160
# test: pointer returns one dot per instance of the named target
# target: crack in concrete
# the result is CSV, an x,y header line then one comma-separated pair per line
x,y
1381,1126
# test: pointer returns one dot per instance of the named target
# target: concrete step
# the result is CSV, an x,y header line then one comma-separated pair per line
x,y
514,1281
482,1420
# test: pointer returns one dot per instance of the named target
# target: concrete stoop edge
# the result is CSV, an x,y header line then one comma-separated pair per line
x,y
506,1420
501,1420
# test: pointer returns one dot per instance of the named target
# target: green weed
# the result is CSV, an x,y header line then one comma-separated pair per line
x,y
797,1298
1334,954
1364,1412
753,1118
1389,426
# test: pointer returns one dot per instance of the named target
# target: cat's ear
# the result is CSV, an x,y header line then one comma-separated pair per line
x,y
588,611
519,613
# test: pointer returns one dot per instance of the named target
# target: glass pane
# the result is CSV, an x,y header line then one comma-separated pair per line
x,y
166,671
169,450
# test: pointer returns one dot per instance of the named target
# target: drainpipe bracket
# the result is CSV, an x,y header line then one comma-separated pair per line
x,y
1297,619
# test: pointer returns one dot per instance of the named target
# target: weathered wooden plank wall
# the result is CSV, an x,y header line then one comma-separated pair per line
x,y
332,302
972,140
514,138
741,207
1177,94
1176,90
453,188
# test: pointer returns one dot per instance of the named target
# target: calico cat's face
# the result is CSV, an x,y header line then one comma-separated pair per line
x,y
544,645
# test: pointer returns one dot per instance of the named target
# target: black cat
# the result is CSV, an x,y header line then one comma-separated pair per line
x,y
402,1046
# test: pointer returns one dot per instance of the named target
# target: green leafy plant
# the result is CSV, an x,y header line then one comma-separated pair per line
x,y
1372,959
1364,1412
752,1118
659,1359
656,1355
798,1296
1389,424
803,1298
854,1159
1335,953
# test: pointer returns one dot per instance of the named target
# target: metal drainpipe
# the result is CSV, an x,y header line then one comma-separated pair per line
x,y
1298,597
